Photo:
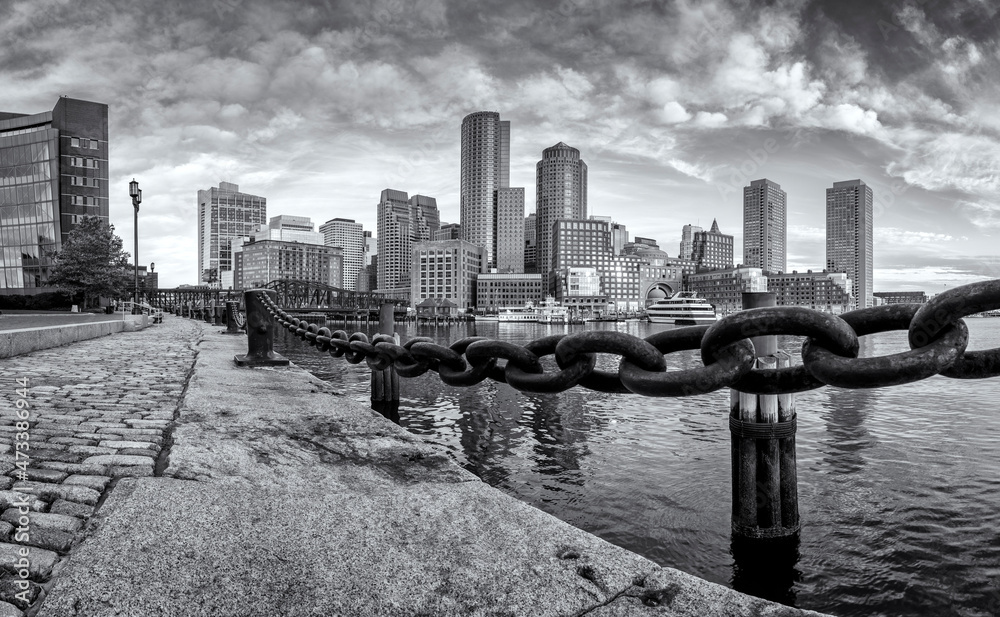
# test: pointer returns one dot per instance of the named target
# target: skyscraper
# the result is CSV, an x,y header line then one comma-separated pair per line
x,y
510,230
402,221
350,237
849,231
711,250
687,240
560,193
485,169
224,214
764,226
53,171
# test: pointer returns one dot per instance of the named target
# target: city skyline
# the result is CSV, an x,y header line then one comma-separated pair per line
x,y
675,110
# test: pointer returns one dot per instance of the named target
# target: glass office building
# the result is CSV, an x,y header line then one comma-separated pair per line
x,y
53,171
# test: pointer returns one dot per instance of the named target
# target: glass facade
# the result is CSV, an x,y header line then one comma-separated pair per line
x,y
28,209
53,171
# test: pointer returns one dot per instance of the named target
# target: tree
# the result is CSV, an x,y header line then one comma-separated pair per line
x,y
92,263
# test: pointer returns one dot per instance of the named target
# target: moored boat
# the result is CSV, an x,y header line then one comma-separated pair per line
x,y
684,308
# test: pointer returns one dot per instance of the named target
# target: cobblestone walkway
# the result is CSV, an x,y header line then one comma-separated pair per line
x,y
99,410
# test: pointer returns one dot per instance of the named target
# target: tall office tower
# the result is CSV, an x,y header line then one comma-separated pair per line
x,y
619,238
290,228
530,244
53,171
401,222
849,229
350,237
426,218
510,230
687,240
711,250
394,240
764,226
485,169
224,213
560,193
448,231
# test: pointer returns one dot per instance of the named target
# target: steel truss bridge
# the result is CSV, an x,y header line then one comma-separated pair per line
x,y
292,296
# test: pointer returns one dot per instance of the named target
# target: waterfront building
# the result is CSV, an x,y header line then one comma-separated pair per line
x,y
587,243
446,269
764,226
261,261
849,236
289,229
530,244
639,243
224,214
500,290
900,297
712,249
660,275
579,289
560,193
829,292
402,220
687,240
349,236
448,231
53,172
724,288
485,170
510,230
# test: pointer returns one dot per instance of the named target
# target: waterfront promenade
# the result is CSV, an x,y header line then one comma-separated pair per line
x,y
164,480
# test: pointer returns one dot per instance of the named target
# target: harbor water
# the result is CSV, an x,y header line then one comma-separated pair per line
x,y
899,488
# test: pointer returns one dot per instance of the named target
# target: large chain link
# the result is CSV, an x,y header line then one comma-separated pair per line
x,y
937,335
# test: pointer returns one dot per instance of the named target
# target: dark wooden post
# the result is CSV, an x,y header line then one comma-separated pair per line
x,y
260,333
765,493
385,383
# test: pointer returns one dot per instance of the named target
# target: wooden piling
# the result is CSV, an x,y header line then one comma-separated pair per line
x,y
763,448
385,383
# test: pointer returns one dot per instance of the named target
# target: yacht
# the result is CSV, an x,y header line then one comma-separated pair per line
x,y
684,308
518,314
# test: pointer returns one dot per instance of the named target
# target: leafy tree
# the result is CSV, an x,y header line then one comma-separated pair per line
x,y
210,275
92,263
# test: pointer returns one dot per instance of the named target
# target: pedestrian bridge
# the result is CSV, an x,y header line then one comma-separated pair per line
x,y
291,295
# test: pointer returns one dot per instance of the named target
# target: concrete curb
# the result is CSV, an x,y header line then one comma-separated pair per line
x,y
282,497
27,340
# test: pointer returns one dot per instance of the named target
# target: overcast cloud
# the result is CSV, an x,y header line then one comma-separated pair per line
x,y
675,106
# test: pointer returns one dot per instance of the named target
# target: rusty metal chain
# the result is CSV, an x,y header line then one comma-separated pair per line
x,y
937,335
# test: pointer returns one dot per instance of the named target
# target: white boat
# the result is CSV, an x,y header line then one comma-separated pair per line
x,y
518,314
487,318
684,308
551,312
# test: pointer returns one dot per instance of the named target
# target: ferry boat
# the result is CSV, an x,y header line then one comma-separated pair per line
x,y
518,314
551,312
684,308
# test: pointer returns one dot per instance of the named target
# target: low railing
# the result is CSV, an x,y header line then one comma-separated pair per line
x,y
737,352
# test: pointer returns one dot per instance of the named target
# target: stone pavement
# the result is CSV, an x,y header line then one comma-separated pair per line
x,y
224,491
100,410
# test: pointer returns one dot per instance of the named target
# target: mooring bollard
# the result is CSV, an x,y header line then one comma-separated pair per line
x,y
232,327
260,332
765,491
385,383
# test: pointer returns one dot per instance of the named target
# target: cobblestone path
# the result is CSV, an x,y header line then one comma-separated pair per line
x,y
99,410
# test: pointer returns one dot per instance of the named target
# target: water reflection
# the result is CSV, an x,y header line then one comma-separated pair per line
x,y
898,487
767,569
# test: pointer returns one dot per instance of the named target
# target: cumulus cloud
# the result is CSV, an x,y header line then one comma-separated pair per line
x,y
289,99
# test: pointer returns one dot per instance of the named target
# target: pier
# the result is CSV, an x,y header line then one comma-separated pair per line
x,y
165,480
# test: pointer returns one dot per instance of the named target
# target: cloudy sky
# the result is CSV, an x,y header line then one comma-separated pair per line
x,y
675,106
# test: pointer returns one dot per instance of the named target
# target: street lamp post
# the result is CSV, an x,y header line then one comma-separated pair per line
x,y
136,194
